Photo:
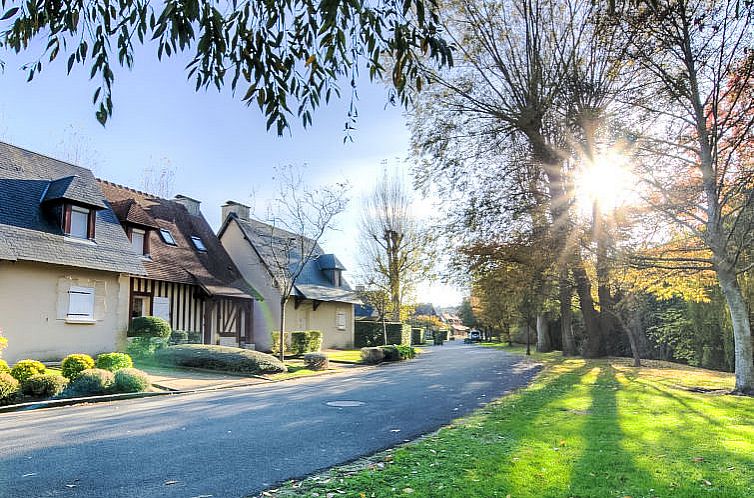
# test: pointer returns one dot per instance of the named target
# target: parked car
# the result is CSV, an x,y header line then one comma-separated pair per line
x,y
475,336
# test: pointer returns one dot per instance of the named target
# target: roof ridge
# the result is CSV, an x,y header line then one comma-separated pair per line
x,y
131,189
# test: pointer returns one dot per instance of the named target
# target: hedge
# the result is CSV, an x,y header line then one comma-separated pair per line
x,y
91,382
149,326
369,333
417,335
219,358
297,342
44,385
9,388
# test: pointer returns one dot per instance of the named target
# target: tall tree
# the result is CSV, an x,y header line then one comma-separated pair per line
x,y
394,248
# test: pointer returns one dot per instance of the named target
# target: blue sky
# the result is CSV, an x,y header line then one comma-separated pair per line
x,y
218,147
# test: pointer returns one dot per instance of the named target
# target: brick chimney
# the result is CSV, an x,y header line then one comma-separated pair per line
x,y
192,205
233,207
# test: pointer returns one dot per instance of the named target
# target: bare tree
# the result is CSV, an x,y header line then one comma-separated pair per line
x,y
297,219
76,148
159,178
393,247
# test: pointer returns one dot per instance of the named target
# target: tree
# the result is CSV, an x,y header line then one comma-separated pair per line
x,y
159,178
298,217
394,250
379,299
466,313
692,91
286,57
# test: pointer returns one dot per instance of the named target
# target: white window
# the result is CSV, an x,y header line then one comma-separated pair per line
x,y
80,304
167,237
340,320
137,240
79,222
198,243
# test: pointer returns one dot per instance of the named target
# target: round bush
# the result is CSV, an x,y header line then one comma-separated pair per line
x,y
149,326
44,385
372,355
131,380
26,368
114,361
8,389
74,364
4,368
179,337
316,361
92,382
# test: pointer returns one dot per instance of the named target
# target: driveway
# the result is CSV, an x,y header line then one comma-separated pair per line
x,y
239,441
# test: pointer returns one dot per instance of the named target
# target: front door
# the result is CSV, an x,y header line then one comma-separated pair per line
x,y
140,305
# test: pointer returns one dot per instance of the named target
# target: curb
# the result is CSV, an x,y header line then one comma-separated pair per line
x,y
52,403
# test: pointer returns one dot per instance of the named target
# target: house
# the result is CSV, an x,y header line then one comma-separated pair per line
x,y
190,279
454,322
64,260
322,299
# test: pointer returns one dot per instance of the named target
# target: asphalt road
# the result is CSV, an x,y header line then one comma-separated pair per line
x,y
239,441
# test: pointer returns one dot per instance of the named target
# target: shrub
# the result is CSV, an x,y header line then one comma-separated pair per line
x,y
179,337
406,352
4,368
92,382
275,346
144,348
195,337
219,358
131,380
368,333
309,341
74,364
418,335
8,389
26,368
316,361
44,385
149,326
391,353
114,361
372,356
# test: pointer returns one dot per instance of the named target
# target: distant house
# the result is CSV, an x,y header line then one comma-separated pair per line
x,y
190,280
64,260
322,298
454,322
425,309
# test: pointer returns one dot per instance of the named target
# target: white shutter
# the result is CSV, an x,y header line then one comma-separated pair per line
x,y
80,303
340,320
161,308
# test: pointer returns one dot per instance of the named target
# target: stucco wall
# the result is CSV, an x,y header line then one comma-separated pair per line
x,y
323,319
33,304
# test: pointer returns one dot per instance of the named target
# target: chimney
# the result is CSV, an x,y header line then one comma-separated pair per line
x,y
233,207
192,205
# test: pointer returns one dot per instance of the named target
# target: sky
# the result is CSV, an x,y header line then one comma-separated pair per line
x,y
219,148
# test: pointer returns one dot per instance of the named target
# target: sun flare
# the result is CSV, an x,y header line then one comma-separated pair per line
x,y
605,181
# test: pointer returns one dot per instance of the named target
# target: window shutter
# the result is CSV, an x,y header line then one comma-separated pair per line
x,y
340,320
80,303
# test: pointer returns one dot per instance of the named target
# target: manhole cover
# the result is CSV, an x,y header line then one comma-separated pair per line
x,y
344,403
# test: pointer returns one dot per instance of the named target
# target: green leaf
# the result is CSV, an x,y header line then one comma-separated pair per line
x,y
10,13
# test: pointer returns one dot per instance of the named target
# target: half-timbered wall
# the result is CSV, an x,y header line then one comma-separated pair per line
x,y
186,301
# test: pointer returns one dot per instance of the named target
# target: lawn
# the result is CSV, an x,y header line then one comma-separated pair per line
x,y
582,429
296,369
344,355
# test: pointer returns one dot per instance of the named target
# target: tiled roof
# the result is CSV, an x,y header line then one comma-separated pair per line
x,y
129,211
313,282
30,231
212,269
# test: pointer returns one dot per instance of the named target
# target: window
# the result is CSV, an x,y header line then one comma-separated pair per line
x,y
79,222
167,237
161,308
336,280
137,241
340,320
198,243
140,306
80,304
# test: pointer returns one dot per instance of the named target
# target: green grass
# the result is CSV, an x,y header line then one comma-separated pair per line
x,y
295,369
582,429
344,356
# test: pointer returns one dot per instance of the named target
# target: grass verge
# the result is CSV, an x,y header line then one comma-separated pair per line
x,y
582,429
344,355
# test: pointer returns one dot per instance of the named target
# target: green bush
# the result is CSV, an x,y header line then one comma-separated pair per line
x,y
316,361
114,361
369,333
391,353
372,355
406,352
195,337
149,326
144,348
275,345
74,364
219,358
92,382
307,341
4,368
131,380
8,389
26,368
44,385
179,337
417,335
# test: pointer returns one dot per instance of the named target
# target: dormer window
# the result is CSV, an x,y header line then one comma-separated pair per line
x,y
79,222
139,241
198,244
167,237
336,278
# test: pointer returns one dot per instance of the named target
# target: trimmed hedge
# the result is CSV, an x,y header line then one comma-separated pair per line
x,y
149,326
316,361
275,344
372,355
368,333
297,342
131,380
26,368
92,382
195,337
4,368
179,337
74,364
114,361
417,335
44,385
9,387
219,358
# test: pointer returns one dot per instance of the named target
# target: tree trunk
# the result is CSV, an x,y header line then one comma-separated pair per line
x,y
283,303
593,344
739,315
543,334
384,331
566,314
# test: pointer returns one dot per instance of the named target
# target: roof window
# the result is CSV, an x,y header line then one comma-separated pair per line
x,y
167,237
198,243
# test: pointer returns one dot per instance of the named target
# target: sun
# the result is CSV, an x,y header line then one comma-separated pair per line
x,y
605,181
